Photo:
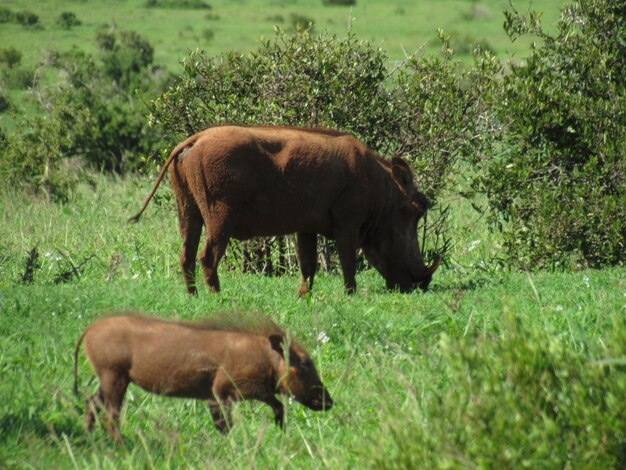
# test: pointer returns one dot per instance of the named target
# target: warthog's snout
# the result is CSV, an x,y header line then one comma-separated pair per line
x,y
322,402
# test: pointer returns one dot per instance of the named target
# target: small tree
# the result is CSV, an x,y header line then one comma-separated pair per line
x,y
91,115
10,57
558,186
67,20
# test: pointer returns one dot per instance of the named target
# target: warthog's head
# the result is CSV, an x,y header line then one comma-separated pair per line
x,y
298,376
393,248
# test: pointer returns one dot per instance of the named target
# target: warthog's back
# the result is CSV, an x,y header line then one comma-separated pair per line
x,y
175,359
274,181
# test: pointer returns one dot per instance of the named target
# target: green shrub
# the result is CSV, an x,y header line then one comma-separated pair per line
x,y
183,4
6,15
95,115
26,18
466,44
522,399
208,34
558,186
5,103
10,56
125,59
339,2
301,22
67,20
20,78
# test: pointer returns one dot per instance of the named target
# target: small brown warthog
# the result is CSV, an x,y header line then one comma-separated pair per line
x,y
218,360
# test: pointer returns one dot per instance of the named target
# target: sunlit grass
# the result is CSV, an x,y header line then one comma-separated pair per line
x,y
379,353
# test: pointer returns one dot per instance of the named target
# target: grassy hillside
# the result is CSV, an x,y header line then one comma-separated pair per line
x,y
488,369
401,27
398,26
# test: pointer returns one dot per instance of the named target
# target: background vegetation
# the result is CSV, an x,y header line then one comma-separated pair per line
x,y
514,358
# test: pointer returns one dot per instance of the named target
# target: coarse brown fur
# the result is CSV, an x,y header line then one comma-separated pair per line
x,y
242,182
222,359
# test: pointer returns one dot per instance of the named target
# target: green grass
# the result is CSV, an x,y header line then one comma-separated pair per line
x,y
385,360
398,26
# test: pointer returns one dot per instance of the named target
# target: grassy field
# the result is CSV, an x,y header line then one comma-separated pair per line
x,y
488,369
386,358
397,26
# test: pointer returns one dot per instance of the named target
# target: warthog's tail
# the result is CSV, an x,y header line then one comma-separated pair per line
x,y
179,148
76,349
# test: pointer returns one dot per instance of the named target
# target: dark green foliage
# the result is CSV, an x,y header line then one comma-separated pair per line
x,y
559,183
183,4
10,56
19,77
521,399
5,103
6,15
466,44
208,34
125,59
295,80
339,2
31,265
94,116
67,20
301,22
26,18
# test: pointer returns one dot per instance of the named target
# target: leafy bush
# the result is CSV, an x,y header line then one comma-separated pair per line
x,y
125,59
558,187
67,20
92,115
5,103
26,18
523,399
6,15
339,2
465,44
10,56
301,22
183,4
20,77
208,34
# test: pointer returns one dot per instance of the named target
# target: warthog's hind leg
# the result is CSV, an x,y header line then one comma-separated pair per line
x,y
220,412
190,227
113,386
214,248
93,406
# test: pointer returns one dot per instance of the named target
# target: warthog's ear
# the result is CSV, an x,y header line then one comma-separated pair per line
x,y
277,343
401,171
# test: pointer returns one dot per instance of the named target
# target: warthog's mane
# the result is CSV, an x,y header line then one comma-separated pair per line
x,y
236,322
311,130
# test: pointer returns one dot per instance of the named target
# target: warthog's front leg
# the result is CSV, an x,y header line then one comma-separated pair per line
x,y
220,412
279,410
306,252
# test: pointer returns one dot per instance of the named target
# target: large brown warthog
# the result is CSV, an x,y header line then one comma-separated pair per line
x,y
241,182
214,360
